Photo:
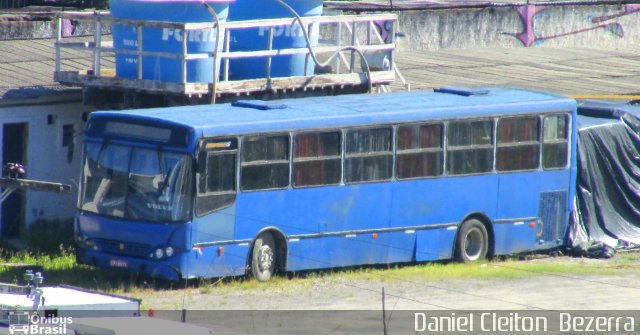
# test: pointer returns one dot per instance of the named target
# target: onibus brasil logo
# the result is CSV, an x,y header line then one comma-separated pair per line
x,y
35,324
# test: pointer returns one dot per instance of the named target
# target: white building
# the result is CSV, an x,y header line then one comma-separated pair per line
x,y
40,126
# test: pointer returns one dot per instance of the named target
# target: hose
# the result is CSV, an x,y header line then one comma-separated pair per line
x,y
307,40
313,54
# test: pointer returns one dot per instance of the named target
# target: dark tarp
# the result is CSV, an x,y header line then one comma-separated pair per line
x,y
608,187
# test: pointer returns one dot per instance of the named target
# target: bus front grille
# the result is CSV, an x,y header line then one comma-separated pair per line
x,y
123,248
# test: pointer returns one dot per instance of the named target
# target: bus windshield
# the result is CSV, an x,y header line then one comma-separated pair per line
x,y
136,183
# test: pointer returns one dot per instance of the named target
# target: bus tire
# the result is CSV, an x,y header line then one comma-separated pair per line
x,y
472,243
263,258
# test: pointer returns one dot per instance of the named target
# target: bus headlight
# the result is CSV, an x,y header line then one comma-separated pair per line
x,y
159,253
169,251
89,243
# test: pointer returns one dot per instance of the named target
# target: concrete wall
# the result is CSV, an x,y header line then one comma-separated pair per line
x,y
615,26
47,159
14,26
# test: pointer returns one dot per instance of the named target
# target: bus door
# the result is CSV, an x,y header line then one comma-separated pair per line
x,y
215,191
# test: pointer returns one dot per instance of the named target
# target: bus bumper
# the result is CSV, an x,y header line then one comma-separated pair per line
x,y
155,269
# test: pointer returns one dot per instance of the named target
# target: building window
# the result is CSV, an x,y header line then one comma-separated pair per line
x,y
518,144
555,141
216,176
419,151
368,155
470,147
265,162
317,159
67,135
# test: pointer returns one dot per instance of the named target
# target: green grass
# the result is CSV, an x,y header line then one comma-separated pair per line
x,y
61,268
502,270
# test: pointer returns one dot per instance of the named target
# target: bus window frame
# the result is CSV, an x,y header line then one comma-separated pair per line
x,y
539,117
442,148
492,146
203,154
391,152
339,157
241,164
567,140
495,119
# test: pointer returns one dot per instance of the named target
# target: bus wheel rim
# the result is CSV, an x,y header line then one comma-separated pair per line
x,y
473,244
265,258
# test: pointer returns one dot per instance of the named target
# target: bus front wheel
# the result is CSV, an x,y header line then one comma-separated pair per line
x,y
472,243
263,258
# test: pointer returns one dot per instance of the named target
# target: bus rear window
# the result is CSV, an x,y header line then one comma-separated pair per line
x,y
368,155
265,162
470,147
555,141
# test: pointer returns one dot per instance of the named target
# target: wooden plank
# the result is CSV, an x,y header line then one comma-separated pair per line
x,y
77,78
297,83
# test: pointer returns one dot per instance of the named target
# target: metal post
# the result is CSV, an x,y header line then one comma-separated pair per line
x,y
269,47
184,54
139,50
97,47
308,56
392,41
227,41
338,42
352,63
384,314
58,41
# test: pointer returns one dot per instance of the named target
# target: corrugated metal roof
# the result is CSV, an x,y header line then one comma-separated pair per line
x,y
27,67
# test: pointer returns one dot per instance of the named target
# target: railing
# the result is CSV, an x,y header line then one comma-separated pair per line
x,y
346,37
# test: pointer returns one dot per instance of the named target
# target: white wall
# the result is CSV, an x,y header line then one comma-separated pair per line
x,y
46,156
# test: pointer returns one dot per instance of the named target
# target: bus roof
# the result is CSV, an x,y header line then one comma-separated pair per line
x,y
350,110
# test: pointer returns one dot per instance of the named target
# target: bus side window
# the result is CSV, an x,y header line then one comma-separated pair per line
x,y
518,144
555,141
265,162
419,151
216,175
317,159
368,155
470,147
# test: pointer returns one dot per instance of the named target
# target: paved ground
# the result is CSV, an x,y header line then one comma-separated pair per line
x,y
567,71
619,290
338,304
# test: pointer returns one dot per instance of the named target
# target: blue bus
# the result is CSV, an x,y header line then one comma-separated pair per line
x,y
257,187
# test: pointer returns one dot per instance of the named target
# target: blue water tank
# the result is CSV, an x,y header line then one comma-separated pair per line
x,y
166,39
285,37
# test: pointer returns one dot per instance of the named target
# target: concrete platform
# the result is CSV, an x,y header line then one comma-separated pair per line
x,y
577,72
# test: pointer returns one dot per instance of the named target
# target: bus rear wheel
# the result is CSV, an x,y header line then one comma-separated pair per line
x,y
472,243
263,258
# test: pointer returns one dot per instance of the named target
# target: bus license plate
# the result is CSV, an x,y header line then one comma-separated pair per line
x,y
118,263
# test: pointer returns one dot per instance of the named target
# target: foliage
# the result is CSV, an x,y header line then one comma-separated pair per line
x,y
50,236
